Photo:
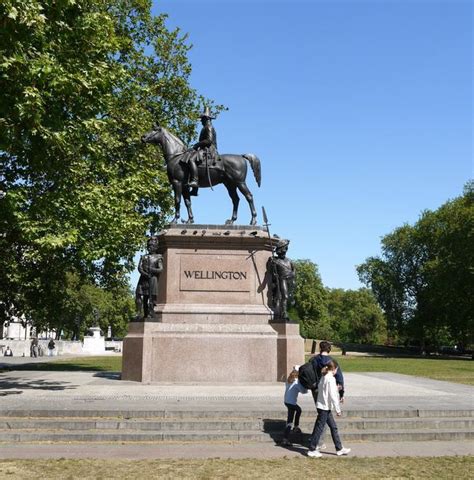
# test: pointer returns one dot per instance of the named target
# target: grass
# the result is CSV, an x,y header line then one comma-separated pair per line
x,y
453,370
82,364
382,468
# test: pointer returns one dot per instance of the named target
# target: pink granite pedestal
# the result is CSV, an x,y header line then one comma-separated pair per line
x,y
212,322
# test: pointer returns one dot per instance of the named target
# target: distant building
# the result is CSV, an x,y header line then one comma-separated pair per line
x,y
16,329
19,329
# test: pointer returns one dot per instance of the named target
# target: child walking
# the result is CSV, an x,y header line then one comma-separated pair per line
x,y
292,389
328,397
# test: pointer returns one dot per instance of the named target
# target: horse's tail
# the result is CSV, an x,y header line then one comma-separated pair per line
x,y
255,164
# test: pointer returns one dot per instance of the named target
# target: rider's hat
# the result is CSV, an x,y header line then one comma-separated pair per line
x,y
207,113
282,243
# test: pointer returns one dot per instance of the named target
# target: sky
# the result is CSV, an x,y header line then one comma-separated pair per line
x,y
360,112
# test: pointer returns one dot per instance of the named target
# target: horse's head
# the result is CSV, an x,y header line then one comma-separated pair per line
x,y
170,144
154,136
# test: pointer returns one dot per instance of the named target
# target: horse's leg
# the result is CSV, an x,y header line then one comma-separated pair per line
x,y
187,202
177,188
244,190
232,189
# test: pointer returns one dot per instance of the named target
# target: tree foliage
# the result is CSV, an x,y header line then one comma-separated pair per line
x,y
80,82
355,316
335,314
82,305
309,299
86,305
424,279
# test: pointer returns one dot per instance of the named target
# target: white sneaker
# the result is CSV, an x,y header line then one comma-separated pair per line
x,y
343,451
323,446
314,454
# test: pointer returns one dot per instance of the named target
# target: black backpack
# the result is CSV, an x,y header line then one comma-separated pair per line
x,y
308,376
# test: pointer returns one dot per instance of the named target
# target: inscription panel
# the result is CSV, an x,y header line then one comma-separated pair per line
x,y
215,273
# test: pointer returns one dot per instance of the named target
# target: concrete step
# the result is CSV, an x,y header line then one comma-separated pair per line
x,y
132,424
236,436
219,413
204,424
186,424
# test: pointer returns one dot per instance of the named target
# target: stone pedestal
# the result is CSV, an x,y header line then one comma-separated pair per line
x,y
212,322
94,344
290,348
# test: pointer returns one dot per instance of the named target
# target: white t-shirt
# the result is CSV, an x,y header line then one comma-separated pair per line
x,y
328,395
292,390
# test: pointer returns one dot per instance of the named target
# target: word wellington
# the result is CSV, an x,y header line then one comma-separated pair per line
x,y
213,275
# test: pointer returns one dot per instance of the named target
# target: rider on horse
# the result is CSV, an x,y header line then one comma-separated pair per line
x,y
207,145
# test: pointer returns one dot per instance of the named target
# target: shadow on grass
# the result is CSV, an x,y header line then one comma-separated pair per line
x,y
393,356
56,367
448,357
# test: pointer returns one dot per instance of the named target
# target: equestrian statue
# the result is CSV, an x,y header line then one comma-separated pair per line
x,y
202,166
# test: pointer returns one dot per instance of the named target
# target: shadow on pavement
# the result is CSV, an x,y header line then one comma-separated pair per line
x,y
13,383
109,375
13,392
296,448
275,428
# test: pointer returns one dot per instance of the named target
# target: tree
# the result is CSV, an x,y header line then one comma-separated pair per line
x,y
310,301
335,314
424,280
84,301
355,316
80,82
446,303
396,279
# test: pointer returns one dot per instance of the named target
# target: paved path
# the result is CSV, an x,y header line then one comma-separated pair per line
x,y
220,450
89,390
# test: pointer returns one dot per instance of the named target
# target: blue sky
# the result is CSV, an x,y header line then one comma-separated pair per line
x,y
360,112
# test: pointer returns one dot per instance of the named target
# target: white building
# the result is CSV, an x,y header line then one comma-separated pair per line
x,y
15,330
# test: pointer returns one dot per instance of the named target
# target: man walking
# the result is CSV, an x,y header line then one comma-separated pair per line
x,y
51,347
322,359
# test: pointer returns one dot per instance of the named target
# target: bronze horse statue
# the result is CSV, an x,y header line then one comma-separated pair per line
x,y
232,172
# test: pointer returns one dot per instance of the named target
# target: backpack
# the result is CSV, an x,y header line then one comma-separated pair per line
x,y
308,376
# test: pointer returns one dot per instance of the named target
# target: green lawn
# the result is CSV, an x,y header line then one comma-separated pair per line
x,y
94,364
413,468
453,370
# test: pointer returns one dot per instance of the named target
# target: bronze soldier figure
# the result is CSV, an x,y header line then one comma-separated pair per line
x,y
282,272
150,267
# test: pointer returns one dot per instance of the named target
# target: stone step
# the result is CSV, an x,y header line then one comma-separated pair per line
x,y
131,424
227,424
212,435
226,413
207,424
348,424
